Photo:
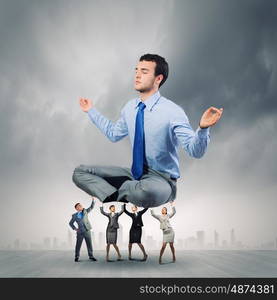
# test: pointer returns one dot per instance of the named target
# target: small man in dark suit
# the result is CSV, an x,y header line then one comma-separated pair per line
x,y
135,230
83,230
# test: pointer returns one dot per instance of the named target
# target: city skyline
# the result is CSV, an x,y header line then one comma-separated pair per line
x,y
194,242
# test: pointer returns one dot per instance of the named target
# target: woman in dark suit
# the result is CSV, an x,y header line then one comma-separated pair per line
x,y
135,230
111,231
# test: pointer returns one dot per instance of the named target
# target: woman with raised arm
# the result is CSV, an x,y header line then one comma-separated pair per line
x,y
111,231
168,232
136,230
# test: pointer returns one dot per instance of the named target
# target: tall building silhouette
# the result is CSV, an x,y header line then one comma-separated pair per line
x,y
16,244
232,238
180,244
216,239
190,242
47,243
55,243
200,238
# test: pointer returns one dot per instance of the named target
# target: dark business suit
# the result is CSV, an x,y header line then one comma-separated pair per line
x,y
135,230
83,230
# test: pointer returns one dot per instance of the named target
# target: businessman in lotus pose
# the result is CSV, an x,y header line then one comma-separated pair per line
x,y
156,127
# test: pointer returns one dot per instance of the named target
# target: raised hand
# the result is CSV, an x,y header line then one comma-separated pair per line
x,y
86,104
210,117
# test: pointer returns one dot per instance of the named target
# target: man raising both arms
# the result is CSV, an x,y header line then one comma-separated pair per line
x,y
156,127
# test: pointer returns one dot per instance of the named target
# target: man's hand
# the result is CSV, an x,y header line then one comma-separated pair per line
x,y
210,117
86,104
172,203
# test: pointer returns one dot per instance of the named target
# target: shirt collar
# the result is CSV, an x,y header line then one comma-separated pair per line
x,y
149,102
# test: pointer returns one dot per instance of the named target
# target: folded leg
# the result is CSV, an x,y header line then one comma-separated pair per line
x,y
101,181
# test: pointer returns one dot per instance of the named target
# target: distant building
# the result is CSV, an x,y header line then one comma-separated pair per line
x,y
216,239
55,243
191,243
200,239
47,243
180,244
16,244
232,238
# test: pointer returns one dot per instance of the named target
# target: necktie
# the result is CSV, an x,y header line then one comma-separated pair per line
x,y
139,146
80,215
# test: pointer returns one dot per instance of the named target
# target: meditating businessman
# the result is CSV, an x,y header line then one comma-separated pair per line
x,y
156,127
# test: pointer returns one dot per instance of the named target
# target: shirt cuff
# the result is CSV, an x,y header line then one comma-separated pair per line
x,y
92,112
203,132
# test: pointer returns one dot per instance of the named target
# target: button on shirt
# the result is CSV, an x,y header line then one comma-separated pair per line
x,y
166,127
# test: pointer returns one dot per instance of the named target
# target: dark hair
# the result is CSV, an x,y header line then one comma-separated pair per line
x,y
111,206
76,204
161,65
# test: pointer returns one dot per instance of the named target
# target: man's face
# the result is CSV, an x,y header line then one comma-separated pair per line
x,y
112,209
145,79
79,207
134,209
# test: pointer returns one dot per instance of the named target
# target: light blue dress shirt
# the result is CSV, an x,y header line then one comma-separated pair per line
x,y
166,127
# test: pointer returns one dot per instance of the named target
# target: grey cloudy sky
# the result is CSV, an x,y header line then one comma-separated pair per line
x,y
220,53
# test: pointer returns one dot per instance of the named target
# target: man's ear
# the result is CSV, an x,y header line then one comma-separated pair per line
x,y
159,78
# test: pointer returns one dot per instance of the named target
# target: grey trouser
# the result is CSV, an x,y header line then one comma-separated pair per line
x,y
79,240
153,189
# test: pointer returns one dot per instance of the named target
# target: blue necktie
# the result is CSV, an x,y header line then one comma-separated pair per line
x,y
80,214
139,144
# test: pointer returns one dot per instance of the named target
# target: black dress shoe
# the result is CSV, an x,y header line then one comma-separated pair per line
x,y
145,257
111,198
76,259
93,258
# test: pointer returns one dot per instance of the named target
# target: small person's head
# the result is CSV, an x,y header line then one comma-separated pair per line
x,y
78,206
134,208
112,208
164,210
